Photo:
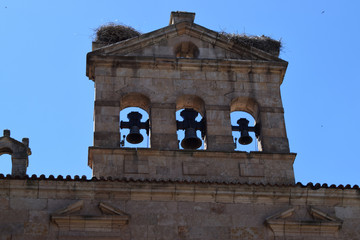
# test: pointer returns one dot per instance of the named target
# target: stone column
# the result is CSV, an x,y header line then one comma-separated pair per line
x,y
273,136
163,127
106,127
219,135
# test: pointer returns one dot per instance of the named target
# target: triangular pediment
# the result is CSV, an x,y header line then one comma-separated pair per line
x,y
303,221
168,41
76,217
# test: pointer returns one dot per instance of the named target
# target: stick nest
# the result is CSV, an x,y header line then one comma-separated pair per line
x,y
264,43
113,33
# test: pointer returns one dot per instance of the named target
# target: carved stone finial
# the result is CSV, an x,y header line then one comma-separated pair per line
x,y
6,133
19,153
179,16
25,141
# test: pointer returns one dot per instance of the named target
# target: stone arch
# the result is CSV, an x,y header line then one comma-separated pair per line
x,y
134,99
19,152
5,150
196,103
186,49
191,101
246,104
250,106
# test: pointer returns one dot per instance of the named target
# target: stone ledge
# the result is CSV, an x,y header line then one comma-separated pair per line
x,y
182,191
89,223
192,153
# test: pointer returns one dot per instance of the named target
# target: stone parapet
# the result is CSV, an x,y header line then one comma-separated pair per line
x,y
141,163
38,208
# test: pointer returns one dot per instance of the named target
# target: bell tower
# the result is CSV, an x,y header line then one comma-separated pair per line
x,y
206,76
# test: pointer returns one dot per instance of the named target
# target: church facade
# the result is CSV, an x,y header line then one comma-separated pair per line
x,y
168,190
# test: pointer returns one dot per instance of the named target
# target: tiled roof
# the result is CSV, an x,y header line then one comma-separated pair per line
x,y
163,180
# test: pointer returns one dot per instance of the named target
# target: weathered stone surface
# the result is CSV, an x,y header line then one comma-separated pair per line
x,y
201,165
19,152
181,211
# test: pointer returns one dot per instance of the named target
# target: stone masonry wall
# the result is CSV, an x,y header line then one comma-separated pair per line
x,y
254,167
79,209
218,89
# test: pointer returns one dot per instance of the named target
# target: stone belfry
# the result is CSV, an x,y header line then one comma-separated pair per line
x,y
186,66
187,79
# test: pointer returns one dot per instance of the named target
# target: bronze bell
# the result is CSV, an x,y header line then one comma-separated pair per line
x,y
134,137
245,138
244,129
135,124
190,125
191,141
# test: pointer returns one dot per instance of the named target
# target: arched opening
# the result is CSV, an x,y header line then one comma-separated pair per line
x,y
134,128
134,121
245,123
243,141
191,124
191,134
186,50
5,161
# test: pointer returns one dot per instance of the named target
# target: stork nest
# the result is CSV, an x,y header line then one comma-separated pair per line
x,y
113,33
263,43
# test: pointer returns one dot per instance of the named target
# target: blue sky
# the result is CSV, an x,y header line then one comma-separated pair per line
x,y
46,96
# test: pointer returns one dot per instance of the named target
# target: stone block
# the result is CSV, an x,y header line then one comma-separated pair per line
x,y
65,189
102,71
346,212
204,193
162,232
124,72
14,216
243,196
162,171
163,193
28,203
170,74
252,170
136,164
100,87
220,143
9,230
123,193
185,193
167,87
164,141
163,121
194,168
20,188
33,228
224,195
37,216
192,75
274,144
4,188
334,197
107,139
109,166
142,193
107,123
4,203
242,232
